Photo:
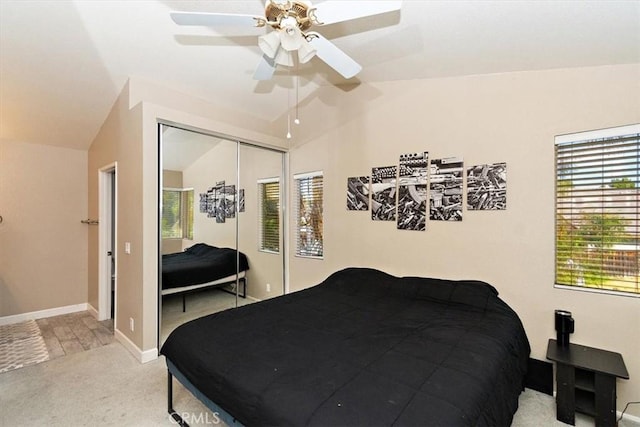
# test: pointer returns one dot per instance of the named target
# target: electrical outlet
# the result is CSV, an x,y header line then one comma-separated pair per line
x,y
268,287
131,324
127,247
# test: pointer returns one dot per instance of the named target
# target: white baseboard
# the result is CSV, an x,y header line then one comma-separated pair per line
x,y
50,312
149,355
630,418
141,356
91,309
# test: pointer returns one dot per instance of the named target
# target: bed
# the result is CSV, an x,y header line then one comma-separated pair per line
x,y
203,266
361,348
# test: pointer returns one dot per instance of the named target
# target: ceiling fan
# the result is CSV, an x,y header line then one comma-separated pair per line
x,y
290,21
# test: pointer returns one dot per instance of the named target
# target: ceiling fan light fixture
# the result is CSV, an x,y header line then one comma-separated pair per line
x,y
291,38
269,43
284,57
306,52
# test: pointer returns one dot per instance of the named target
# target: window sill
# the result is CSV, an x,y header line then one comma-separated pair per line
x,y
309,257
596,291
267,251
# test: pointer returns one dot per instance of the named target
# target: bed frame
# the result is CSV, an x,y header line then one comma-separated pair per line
x,y
220,283
220,413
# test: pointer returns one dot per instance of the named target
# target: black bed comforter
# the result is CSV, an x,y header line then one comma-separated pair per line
x,y
201,263
361,348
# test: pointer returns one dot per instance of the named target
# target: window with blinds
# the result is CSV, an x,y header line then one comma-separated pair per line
x,y
177,214
598,209
308,214
269,216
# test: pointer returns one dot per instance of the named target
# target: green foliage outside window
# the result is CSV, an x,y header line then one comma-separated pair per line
x,y
177,214
582,251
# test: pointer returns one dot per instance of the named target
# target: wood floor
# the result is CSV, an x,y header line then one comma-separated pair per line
x,y
75,332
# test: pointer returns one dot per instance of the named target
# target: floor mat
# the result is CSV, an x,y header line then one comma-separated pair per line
x,y
21,344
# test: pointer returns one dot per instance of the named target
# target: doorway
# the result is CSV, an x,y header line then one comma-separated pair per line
x,y
107,265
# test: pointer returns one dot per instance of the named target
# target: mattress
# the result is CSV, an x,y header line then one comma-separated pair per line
x,y
361,348
201,263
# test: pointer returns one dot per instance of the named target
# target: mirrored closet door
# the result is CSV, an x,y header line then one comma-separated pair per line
x,y
221,228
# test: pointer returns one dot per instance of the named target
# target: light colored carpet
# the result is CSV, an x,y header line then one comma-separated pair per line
x,y
106,386
21,344
199,304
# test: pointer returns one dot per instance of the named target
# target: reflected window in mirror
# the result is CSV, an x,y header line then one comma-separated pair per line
x,y
269,217
177,213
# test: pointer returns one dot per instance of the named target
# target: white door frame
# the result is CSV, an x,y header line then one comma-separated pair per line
x,y
108,218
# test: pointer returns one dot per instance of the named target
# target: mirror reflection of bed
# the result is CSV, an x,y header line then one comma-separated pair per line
x,y
213,217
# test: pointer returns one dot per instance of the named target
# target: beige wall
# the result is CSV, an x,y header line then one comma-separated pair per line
x,y
119,141
265,268
510,118
43,197
172,179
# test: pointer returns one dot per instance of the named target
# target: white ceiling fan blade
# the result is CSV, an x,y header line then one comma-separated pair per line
x,y
215,19
266,68
331,12
333,56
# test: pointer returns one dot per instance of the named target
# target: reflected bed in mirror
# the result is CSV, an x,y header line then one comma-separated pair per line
x,y
203,266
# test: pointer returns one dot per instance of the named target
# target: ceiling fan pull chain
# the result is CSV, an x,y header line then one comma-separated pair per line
x,y
289,111
297,119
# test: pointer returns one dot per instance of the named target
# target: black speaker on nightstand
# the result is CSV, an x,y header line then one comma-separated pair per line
x,y
564,327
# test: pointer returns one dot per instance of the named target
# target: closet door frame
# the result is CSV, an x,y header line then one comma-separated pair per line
x,y
239,143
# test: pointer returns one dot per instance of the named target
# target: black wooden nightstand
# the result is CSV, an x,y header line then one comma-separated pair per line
x,y
586,382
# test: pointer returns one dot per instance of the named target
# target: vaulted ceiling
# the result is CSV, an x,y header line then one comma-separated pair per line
x,y
63,62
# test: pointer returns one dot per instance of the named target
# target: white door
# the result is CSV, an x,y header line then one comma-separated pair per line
x,y
107,265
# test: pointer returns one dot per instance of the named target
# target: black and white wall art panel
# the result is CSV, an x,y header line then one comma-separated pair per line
x,y
412,191
204,202
358,193
446,186
229,196
487,187
383,193
219,202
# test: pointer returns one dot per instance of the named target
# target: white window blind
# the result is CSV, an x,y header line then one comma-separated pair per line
x,y
308,207
269,216
598,209
177,214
